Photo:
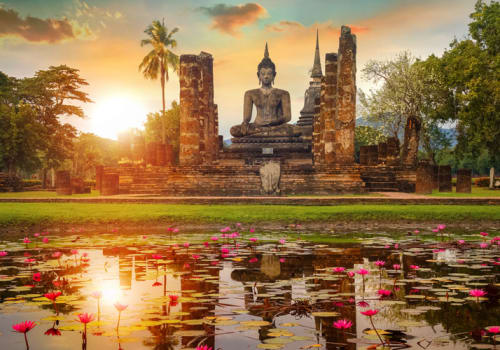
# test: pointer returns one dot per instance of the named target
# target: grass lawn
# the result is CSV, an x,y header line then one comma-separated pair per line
x,y
475,192
45,194
54,213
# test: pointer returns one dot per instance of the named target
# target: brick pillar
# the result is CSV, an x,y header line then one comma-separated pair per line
x,y
382,152
215,133
464,180
189,139
316,146
206,101
63,182
363,155
345,120
435,177
330,106
445,178
392,155
411,140
425,173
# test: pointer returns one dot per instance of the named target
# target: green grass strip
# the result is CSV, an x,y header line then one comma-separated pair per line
x,y
42,213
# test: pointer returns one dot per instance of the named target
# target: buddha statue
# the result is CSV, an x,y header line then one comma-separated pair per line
x,y
272,105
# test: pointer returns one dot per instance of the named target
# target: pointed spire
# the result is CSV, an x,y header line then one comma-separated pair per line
x,y
316,70
266,52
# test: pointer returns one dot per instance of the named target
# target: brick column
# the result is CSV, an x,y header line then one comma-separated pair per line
x,y
411,140
345,120
392,155
425,173
445,178
330,106
464,180
382,152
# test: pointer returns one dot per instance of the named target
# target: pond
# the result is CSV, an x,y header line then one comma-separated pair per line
x,y
241,289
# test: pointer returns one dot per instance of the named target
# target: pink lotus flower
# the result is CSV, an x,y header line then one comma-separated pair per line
x,y
52,296
342,324
36,235
226,229
156,256
176,230
384,292
483,245
350,273
24,327
477,293
206,244
461,241
396,246
253,239
363,304
435,230
370,312
253,260
74,251
85,318
282,260
441,227
3,253
252,230
380,263
56,255
186,245
120,307
26,240
414,267
29,260
494,329
52,331
196,256
224,250
416,232
282,241
396,267
173,298
97,294
362,272
144,237
45,240
37,277
214,238
484,234
339,269
204,347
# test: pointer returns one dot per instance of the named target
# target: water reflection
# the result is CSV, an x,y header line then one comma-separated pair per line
x,y
235,295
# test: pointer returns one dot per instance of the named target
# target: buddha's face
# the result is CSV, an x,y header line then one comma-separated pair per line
x,y
266,76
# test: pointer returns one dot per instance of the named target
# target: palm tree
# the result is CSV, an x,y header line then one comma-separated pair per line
x,y
160,58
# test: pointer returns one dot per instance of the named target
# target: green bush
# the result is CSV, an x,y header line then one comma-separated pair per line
x,y
30,183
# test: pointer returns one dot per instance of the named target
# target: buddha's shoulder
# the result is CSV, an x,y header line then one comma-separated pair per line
x,y
280,92
256,92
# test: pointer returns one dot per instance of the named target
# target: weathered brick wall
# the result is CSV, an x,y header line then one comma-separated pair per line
x,y
198,121
346,98
330,106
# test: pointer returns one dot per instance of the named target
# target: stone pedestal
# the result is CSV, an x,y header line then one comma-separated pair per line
x,y
425,174
464,181
110,184
411,141
63,183
445,178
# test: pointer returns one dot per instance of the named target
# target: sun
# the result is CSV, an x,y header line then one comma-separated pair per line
x,y
114,114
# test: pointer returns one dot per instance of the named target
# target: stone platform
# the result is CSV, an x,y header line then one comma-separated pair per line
x,y
237,179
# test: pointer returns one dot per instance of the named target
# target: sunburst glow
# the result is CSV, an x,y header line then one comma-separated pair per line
x,y
117,113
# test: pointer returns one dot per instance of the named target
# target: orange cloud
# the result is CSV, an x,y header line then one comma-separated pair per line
x,y
33,28
283,25
229,19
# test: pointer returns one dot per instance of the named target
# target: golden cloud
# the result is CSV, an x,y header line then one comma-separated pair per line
x,y
229,19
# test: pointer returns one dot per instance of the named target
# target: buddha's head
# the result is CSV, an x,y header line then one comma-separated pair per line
x,y
266,70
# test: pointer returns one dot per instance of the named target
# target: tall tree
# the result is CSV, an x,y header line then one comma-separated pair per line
x,y
400,101
52,94
160,58
169,121
468,74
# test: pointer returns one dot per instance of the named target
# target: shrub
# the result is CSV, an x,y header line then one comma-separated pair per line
x,y
482,181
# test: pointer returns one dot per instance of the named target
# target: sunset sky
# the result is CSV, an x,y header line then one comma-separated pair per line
x,y
102,40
